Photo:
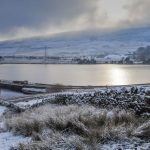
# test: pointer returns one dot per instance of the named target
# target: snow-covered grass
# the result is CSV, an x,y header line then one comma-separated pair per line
x,y
82,119
54,126
8,139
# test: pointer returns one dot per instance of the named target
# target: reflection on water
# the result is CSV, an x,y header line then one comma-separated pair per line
x,y
77,74
119,75
8,94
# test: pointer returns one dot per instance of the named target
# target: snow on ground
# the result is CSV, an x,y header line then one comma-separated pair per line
x,y
7,140
110,114
30,103
126,146
2,109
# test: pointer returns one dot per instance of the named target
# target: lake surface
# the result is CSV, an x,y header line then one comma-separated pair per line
x,y
77,74
8,93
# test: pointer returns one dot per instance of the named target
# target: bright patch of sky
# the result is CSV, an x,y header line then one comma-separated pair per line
x,y
114,8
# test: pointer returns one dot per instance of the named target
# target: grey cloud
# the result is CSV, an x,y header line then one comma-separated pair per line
x,y
138,13
23,18
34,14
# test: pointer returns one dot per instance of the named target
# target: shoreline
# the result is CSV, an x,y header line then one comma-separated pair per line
x,y
71,86
74,86
36,88
38,63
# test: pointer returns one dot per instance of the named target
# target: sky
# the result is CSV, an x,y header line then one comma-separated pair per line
x,y
27,18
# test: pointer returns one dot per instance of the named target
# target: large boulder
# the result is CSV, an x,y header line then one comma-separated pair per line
x,y
147,91
147,100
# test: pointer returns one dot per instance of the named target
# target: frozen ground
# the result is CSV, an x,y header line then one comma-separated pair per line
x,y
2,109
133,144
8,140
29,103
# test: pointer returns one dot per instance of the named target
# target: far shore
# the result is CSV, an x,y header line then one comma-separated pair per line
x,y
38,63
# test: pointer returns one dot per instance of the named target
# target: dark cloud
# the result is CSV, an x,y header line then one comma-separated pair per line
x,y
39,13
24,18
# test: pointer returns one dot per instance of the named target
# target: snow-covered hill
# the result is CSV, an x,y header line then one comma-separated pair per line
x,y
83,43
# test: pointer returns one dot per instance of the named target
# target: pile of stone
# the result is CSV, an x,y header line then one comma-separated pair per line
x,y
134,99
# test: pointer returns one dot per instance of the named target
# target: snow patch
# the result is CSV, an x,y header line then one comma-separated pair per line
x,y
30,103
110,115
2,110
8,140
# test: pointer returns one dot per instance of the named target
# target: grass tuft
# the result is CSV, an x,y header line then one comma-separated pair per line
x,y
71,126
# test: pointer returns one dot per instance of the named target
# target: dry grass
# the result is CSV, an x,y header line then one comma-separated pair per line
x,y
77,126
50,139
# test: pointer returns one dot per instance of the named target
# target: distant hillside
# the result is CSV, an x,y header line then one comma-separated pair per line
x,y
91,43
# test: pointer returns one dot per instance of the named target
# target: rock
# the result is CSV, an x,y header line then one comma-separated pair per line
x,y
143,131
134,90
147,100
147,92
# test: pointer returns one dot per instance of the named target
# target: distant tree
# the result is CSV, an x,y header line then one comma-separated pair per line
x,y
1,58
127,60
86,61
142,54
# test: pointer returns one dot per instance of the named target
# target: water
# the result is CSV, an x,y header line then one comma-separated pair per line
x,y
77,74
4,93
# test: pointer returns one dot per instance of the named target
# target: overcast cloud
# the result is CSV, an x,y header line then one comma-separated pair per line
x,y
24,18
138,13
